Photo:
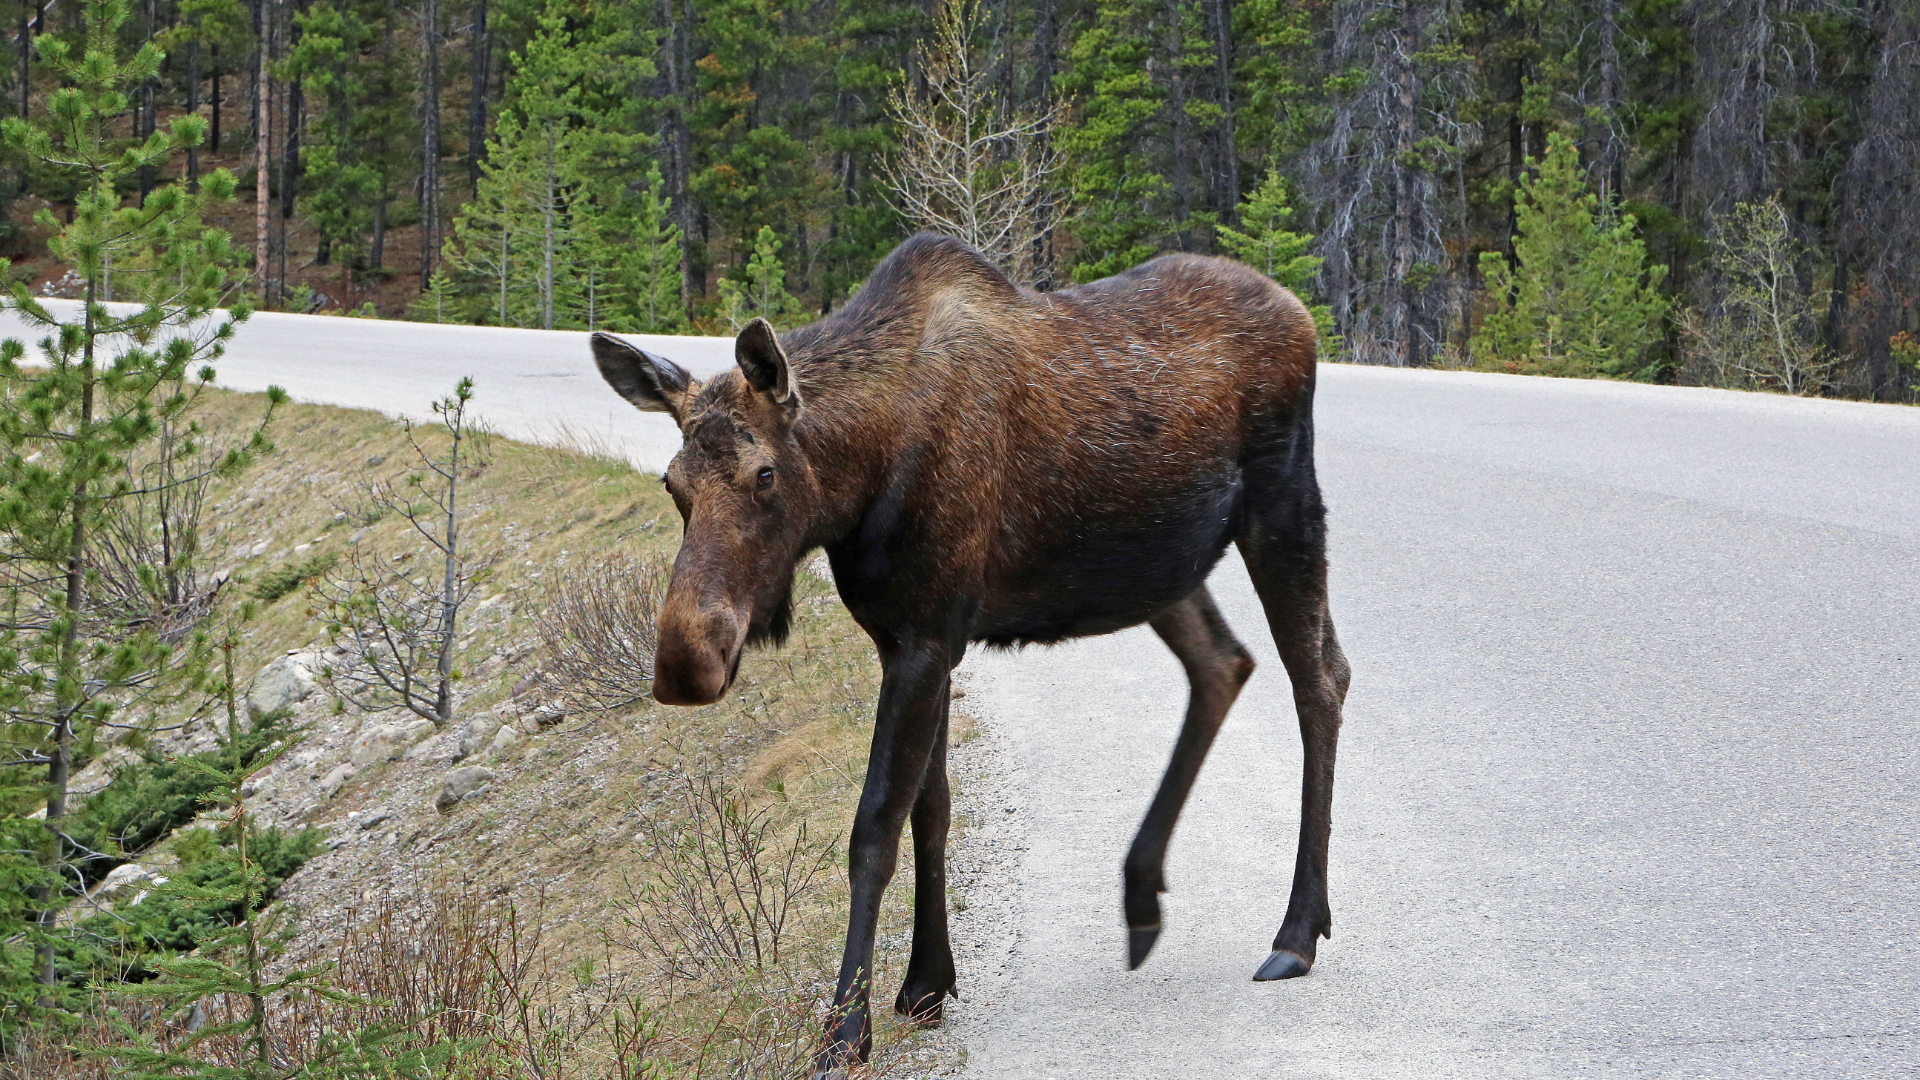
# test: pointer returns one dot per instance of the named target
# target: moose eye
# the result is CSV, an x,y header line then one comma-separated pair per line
x,y
765,476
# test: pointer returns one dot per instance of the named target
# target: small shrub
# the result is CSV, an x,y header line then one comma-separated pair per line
x,y
282,580
597,631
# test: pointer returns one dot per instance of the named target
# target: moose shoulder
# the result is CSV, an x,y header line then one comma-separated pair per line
x,y
982,463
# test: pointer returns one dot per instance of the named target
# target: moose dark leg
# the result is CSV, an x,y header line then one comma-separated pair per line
x,y
930,975
1217,667
907,724
1284,545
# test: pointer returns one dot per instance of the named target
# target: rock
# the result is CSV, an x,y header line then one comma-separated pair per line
x,y
127,877
287,681
337,779
384,742
258,786
504,739
461,783
374,818
476,735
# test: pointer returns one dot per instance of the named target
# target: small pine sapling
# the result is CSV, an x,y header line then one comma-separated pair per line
x,y
397,626
1264,243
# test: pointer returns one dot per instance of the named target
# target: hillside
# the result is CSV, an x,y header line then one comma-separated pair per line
x,y
571,852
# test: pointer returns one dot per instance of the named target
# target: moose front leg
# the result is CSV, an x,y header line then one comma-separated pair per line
x,y
930,975
907,726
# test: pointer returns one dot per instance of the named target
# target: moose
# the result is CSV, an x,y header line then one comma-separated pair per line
x,y
987,464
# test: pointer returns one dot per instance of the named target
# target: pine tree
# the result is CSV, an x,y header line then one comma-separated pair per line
x,y
647,254
89,638
1582,301
533,230
761,290
1115,182
1264,243
227,969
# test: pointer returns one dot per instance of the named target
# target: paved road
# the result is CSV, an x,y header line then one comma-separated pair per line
x,y
528,384
1630,784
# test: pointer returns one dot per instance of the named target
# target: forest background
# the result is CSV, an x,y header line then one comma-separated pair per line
x,y
1707,191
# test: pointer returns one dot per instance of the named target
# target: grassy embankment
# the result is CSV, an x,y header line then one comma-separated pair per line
x,y
594,844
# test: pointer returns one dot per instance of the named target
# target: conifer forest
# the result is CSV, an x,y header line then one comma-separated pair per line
x,y
1719,192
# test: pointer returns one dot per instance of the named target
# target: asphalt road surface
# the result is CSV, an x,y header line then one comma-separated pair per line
x,y
1630,780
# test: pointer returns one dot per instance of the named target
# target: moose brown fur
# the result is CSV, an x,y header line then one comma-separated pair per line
x,y
982,463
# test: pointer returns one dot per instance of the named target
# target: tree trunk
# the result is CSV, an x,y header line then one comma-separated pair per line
x,y
480,57
1226,200
193,109
430,151
1046,64
1610,158
377,251
262,141
213,138
1403,253
69,701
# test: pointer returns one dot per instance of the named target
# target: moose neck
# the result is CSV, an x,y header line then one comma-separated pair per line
x,y
848,454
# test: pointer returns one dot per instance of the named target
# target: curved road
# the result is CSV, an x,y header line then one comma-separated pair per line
x,y
1630,782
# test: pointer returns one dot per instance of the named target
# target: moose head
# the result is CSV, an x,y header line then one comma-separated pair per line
x,y
745,493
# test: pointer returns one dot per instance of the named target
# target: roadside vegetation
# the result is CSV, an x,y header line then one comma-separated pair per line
x,y
630,888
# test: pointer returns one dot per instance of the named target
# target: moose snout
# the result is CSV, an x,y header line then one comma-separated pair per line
x,y
698,654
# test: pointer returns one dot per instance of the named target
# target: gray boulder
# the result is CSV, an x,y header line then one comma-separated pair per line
x,y
384,742
476,735
337,779
461,783
285,682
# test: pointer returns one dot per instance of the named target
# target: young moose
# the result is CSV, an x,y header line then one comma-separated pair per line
x,y
987,464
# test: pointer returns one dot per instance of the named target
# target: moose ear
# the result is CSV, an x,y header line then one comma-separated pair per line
x,y
651,383
764,363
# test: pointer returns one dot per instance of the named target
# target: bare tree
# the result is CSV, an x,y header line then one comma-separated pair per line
x,y
1762,332
969,164
394,622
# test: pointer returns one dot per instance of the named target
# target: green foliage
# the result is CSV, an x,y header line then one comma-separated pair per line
x,y
1115,180
1582,301
285,580
1264,243
541,232
761,290
646,250
199,936
154,795
94,441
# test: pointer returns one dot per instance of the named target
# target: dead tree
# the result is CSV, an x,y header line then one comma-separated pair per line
x,y
969,165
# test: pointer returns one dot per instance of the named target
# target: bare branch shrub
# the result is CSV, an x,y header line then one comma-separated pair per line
x,y
597,631
395,623
1762,334
723,887
968,164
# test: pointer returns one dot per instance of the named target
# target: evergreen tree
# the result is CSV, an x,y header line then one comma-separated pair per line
x,y
761,290
1264,243
1115,183
1582,301
647,256
533,230
88,638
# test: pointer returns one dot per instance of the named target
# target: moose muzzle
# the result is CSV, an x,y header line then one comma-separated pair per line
x,y
699,650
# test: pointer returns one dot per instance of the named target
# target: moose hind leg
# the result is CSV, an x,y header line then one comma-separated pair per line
x,y
1285,551
930,973
1217,667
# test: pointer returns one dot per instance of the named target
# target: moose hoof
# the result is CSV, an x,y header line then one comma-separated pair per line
x,y
926,1011
1282,965
1139,943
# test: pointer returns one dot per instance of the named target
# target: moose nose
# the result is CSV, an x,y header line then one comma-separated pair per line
x,y
694,664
